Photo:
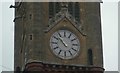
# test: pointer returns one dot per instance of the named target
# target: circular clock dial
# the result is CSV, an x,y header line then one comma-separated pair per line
x,y
65,44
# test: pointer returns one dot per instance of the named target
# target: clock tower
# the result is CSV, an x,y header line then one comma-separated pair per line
x,y
58,37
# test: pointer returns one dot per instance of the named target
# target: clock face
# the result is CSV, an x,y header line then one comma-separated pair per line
x,y
64,44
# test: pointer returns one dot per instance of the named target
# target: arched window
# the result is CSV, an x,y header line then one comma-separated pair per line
x,y
90,57
74,10
54,7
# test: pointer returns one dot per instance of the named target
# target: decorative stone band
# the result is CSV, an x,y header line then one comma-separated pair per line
x,y
42,67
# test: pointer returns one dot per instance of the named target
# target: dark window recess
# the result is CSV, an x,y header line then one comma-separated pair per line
x,y
90,57
77,12
51,9
57,7
17,70
74,10
70,8
54,7
30,16
30,37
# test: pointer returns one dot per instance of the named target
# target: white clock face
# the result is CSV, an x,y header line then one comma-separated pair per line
x,y
64,44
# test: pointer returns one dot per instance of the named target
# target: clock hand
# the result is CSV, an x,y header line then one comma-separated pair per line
x,y
63,42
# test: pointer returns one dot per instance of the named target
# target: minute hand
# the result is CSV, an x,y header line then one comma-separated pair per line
x,y
63,41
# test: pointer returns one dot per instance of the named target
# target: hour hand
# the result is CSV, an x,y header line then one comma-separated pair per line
x,y
61,39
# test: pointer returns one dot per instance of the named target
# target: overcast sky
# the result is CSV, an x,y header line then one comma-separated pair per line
x,y
109,16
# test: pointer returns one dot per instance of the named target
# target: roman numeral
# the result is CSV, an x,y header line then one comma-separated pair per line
x,y
55,37
73,39
69,35
59,34
70,52
74,49
55,48
64,34
65,53
54,42
59,52
75,44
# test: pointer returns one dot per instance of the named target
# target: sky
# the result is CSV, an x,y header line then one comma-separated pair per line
x,y
109,19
